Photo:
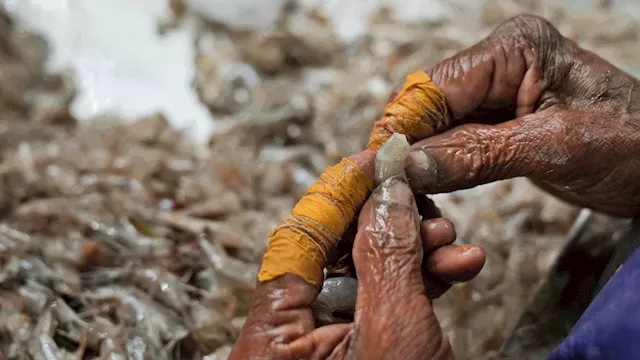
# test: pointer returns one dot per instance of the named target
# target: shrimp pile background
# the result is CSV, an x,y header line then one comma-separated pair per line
x,y
123,240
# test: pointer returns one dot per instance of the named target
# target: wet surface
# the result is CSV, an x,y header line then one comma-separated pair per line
x,y
120,238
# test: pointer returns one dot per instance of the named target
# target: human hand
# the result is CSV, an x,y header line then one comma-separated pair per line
x,y
281,326
394,317
528,102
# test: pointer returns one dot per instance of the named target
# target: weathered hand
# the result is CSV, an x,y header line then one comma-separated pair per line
x,y
528,102
394,317
280,324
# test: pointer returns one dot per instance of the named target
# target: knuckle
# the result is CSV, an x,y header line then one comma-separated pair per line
x,y
538,42
556,142
530,33
473,153
486,152
531,28
456,66
477,155
391,235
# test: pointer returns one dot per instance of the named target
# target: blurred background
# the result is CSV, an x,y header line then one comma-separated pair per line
x,y
147,147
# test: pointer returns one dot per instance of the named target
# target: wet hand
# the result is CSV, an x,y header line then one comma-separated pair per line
x,y
281,326
394,315
528,102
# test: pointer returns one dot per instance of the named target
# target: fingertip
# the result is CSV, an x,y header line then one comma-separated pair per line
x,y
455,264
421,169
365,161
436,233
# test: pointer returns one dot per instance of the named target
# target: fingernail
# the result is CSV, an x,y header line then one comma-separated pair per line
x,y
470,250
421,169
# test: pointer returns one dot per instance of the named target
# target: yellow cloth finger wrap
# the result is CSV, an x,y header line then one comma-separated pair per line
x,y
301,243
418,111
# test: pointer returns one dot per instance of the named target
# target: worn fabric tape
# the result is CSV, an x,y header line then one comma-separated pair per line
x,y
301,243
418,111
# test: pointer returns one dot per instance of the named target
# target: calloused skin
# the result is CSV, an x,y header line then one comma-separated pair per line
x,y
528,102
524,102
280,324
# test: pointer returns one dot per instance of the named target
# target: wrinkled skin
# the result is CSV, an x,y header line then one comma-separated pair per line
x,y
524,102
528,102
394,317
398,260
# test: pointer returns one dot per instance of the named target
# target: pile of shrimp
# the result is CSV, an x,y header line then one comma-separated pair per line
x,y
123,240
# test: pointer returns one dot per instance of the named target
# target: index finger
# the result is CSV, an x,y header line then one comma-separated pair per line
x,y
280,320
502,76
301,244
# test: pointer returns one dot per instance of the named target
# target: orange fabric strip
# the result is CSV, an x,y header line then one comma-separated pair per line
x,y
301,243
418,111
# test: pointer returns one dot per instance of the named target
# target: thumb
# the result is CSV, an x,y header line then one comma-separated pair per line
x,y
394,318
387,250
535,145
